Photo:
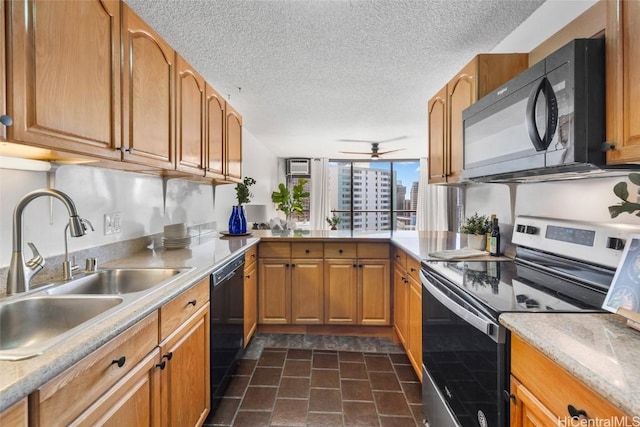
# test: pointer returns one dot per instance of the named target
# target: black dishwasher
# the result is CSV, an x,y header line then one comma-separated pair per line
x,y
226,325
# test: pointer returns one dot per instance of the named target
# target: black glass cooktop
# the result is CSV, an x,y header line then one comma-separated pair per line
x,y
508,286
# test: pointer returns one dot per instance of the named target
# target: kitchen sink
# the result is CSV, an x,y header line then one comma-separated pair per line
x,y
30,325
117,281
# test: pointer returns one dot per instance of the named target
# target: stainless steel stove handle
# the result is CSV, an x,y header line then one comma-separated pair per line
x,y
483,325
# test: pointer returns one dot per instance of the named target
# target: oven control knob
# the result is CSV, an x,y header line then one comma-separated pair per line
x,y
615,243
530,229
520,228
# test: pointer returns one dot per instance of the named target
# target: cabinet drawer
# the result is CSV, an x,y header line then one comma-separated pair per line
x,y
413,268
556,388
62,399
339,250
179,309
400,257
307,250
373,250
250,256
275,250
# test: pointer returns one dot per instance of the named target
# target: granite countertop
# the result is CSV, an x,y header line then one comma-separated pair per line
x,y
598,349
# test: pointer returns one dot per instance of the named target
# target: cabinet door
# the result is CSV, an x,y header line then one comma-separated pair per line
x,y
185,382
307,291
461,93
400,295
437,119
234,144
250,302
190,95
135,400
527,411
274,291
374,292
623,77
414,327
148,107
17,414
341,292
65,75
214,122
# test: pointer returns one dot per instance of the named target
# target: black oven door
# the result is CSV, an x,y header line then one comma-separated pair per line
x,y
464,359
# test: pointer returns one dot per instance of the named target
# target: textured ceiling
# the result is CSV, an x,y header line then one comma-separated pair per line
x,y
305,74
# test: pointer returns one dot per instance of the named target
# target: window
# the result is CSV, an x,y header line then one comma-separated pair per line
x,y
375,195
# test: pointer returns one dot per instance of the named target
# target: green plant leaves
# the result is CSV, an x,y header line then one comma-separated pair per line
x,y
635,178
620,190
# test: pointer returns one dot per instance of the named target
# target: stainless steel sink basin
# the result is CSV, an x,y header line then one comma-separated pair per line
x,y
30,325
117,281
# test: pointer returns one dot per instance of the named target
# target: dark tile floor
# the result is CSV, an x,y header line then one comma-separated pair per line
x,y
324,381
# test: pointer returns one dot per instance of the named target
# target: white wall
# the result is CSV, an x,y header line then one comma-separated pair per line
x,y
138,197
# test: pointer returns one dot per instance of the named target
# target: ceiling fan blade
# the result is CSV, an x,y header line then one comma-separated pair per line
x,y
381,153
398,138
355,140
355,152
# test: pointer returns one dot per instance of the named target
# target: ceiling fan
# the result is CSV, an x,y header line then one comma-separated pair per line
x,y
375,152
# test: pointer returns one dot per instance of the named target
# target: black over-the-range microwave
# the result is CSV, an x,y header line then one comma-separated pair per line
x,y
550,119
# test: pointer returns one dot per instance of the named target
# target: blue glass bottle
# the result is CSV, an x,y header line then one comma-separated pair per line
x,y
243,220
235,223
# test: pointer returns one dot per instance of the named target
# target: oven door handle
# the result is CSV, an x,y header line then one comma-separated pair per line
x,y
484,326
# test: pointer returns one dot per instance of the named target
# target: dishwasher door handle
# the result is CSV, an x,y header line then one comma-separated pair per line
x,y
483,325
228,276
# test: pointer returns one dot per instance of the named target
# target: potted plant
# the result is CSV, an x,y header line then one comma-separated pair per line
x,y
237,220
290,202
334,221
476,227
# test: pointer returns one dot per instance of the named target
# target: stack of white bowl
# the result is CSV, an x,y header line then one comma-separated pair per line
x,y
176,236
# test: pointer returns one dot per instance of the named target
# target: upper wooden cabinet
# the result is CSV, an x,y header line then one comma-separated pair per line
x,y
444,116
190,115
148,94
623,80
215,150
233,125
64,78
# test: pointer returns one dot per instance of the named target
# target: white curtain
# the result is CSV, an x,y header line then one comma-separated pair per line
x,y
432,203
320,205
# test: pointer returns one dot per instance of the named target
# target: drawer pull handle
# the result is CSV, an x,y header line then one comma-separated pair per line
x,y
161,365
119,362
192,302
168,356
576,414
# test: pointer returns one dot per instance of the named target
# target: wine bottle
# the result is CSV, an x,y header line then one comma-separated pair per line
x,y
488,234
494,241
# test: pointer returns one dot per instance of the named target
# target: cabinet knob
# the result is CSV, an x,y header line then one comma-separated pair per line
x,y
293,265
360,265
509,396
168,356
306,251
577,414
119,362
248,276
161,365
192,302
355,265
413,269
606,146
340,251
124,150
6,120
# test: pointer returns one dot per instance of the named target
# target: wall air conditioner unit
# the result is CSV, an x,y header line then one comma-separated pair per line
x,y
299,167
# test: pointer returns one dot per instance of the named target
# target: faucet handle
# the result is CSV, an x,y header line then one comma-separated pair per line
x,y
37,262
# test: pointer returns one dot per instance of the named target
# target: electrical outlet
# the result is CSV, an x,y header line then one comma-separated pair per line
x,y
112,223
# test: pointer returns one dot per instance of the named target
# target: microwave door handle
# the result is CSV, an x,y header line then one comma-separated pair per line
x,y
552,112
477,322
539,143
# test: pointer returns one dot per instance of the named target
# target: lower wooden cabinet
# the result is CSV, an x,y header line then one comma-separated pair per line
x,y
544,394
185,382
374,292
341,292
274,291
407,319
307,291
17,414
250,294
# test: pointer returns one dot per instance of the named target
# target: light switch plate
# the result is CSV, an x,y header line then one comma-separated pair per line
x,y
112,223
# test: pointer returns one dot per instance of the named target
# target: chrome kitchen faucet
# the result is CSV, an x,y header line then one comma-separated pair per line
x,y
21,272
67,267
